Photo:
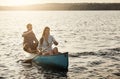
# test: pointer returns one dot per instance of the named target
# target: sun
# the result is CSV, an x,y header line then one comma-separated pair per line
x,y
17,2
23,2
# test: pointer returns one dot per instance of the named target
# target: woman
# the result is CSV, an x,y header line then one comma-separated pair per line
x,y
46,42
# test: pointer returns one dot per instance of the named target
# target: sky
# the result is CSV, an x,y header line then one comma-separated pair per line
x,y
27,2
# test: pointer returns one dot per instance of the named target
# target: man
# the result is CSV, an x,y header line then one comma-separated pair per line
x,y
30,41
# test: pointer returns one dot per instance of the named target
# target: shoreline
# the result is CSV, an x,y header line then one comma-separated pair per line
x,y
65,6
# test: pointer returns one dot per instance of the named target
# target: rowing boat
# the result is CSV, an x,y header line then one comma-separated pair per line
x,y
55,61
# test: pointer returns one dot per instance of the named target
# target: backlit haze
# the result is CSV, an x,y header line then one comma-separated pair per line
x,y
28,2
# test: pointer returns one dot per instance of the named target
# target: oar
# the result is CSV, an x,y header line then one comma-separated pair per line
x,y
30,58
36,55
39,53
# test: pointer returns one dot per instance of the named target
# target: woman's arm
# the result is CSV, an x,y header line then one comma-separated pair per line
x,y
39,47
55,42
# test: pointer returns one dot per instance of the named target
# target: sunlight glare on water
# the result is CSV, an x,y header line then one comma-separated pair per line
x,y
76,31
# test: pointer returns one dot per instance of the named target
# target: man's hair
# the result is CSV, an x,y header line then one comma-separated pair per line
x,y
29,25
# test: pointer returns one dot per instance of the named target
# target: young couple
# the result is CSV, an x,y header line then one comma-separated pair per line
x,y
43,46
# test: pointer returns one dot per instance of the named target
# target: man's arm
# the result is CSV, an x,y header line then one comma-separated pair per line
x,y
35,39
26,33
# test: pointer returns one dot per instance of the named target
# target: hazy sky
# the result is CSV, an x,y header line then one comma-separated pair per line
x,y
24,2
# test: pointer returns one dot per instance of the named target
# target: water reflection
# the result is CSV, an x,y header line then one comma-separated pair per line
x,y
37,72
54,74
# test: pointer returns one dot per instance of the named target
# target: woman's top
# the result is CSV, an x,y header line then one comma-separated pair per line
x,y
47,44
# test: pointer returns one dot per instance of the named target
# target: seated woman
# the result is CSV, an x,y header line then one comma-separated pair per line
x,y
46,42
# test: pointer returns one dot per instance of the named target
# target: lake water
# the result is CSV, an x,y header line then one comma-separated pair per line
x,y
76,31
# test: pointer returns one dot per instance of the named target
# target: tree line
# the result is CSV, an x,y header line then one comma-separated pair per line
x,y
66,6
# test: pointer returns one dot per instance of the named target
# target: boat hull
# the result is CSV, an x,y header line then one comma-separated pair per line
x,y
53,61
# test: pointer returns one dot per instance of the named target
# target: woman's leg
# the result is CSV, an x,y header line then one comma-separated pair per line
x,y
48,53
55,50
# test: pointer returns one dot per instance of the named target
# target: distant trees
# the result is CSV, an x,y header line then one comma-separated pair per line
x,y
66,6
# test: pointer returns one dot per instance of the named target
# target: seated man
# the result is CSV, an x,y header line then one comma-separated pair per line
x,y
30,42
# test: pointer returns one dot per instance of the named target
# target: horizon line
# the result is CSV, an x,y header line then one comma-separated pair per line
x,y
62,3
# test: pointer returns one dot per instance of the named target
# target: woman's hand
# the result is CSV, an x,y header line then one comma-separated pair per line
x,y
55,42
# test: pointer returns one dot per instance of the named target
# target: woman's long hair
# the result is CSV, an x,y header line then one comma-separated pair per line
x,y
43,35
